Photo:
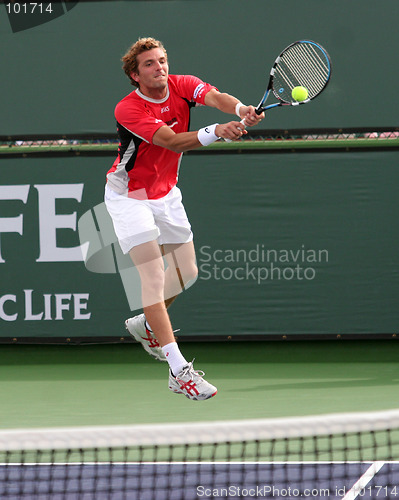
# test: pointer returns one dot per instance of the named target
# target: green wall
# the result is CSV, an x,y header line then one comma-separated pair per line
x,y
332,214
287,244
65,76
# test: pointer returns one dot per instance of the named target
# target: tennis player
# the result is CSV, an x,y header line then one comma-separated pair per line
x,y
146,205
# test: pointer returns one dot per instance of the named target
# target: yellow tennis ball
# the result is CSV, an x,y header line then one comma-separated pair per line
x,y
300,93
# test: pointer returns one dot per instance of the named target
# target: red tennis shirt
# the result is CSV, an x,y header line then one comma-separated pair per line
x,y
142,169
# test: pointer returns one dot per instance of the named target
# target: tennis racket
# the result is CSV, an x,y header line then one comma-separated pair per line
x,y
302,64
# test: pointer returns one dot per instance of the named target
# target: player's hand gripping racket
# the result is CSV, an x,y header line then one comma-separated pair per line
x,y
302,64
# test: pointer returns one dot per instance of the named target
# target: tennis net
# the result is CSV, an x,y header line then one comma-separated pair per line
x,y
344,456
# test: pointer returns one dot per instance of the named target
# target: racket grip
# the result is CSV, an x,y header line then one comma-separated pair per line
x,y
230,140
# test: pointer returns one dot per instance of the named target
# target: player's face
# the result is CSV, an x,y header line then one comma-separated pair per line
x,y
152,71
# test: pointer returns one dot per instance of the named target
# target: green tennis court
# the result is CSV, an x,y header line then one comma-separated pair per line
x,y
50,386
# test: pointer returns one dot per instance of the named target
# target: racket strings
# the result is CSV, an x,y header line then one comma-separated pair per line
x,y
305,71
294,76
308,53
298,71
302,64
306,59
318,58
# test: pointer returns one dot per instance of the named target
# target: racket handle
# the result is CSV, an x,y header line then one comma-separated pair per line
x,y
230,140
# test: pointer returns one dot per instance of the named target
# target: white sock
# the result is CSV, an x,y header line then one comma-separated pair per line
x,y
148,326
174,357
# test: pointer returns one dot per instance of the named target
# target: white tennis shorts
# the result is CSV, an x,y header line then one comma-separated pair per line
x,y
139,221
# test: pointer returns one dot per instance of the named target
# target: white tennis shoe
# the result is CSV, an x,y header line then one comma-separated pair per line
x,y
190,383
136,326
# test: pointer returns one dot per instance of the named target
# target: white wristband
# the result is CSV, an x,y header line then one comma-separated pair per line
x,y
238,106
207,135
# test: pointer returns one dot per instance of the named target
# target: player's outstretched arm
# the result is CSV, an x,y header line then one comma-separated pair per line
x,y
184,141
231,105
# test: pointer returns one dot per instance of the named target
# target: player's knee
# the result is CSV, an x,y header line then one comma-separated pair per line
x,y
194,271
190,272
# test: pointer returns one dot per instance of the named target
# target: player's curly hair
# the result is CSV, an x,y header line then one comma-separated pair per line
x,y
130,58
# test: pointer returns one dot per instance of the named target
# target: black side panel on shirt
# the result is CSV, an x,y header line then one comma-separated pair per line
x,y
190,104
127,151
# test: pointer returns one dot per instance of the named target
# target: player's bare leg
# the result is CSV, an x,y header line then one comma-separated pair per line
x,y
183,379
159,289
148,260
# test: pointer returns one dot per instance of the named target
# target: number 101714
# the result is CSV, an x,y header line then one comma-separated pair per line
x,y
29,8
